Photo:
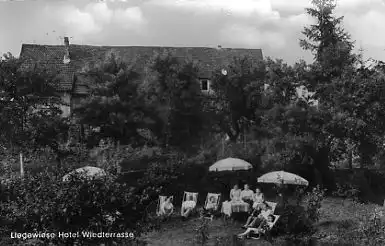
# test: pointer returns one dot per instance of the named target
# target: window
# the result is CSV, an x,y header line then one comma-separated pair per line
x,y
205,85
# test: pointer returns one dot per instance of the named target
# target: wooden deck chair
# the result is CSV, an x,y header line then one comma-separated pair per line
x,y
195,199
209,204
266,234
273,205
161,201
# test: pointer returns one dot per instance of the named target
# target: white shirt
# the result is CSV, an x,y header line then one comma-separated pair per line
x,y
189,204
248,194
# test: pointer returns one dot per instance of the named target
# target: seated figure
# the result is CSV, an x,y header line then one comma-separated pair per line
x,y
258,215
167,208
247,195
188,206
265,225
258,198
235,194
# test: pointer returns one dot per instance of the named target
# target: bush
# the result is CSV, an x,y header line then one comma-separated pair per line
x,y
202,231
313,202
346,191
43,203
298,221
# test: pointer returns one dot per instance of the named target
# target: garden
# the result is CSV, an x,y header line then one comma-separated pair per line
x,y
156,134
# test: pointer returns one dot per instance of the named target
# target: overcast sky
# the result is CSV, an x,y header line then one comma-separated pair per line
x,y
272,25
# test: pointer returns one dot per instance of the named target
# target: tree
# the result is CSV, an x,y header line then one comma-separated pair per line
x,y
114,104
28,106
328,41
174,94
236,95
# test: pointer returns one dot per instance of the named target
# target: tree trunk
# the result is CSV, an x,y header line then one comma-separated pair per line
x,y
21,164
350,159
322,164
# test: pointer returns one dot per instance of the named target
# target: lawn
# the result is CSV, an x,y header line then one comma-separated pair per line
x,y
338,220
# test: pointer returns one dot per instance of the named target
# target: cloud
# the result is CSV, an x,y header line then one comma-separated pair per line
x,y
249,36
94,18
79,22
368,27
100,12
245,8
130,18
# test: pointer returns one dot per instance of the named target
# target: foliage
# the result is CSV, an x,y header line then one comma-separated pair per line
x,y
202,231
313,203
44,203
328,41
161,176
236,95
115,104
347,191
174,94
29,107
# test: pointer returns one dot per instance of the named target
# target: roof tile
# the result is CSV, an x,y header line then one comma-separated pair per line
x,y
82,56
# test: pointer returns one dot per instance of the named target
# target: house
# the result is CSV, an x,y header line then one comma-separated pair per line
x,y
71,60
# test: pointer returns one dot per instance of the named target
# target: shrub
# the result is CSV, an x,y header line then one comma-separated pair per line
x,y
347,191
313,202
43,203
202,231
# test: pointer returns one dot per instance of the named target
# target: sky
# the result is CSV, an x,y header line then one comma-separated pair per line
x,y
273,25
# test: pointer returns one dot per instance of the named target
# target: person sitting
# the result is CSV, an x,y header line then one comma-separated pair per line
x,y
188,206
212,204
258,198
167,208
264,226
247,195
258,215
211,207
235,194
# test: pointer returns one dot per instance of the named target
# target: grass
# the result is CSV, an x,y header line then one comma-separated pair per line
x,y
338,221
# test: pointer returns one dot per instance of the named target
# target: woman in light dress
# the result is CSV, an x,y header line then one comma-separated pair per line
x,y
258,198
235,194
167,208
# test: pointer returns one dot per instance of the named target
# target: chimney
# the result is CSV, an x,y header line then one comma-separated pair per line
x,y
66,58
66,42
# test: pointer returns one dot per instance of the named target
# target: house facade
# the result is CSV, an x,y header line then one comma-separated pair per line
x,y
70,61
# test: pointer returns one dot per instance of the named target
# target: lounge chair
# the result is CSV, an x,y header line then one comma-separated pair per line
x,y
211,204
273,205
266,234
194,196
159,209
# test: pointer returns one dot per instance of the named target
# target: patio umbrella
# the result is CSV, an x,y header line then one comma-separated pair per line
x,y
230,164
87,171
282,177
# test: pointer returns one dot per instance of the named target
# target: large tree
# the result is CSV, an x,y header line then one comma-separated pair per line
x,y
237,93
29,105
328,41
173,92
114,104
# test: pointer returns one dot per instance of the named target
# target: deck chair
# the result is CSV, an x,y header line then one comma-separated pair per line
x,y
195,199
214,205
273,205
161,201
266,234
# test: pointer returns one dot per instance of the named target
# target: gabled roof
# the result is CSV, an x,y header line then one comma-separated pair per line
x,y
83,56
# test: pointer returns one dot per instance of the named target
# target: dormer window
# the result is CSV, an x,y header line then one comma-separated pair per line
x,y
205,85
